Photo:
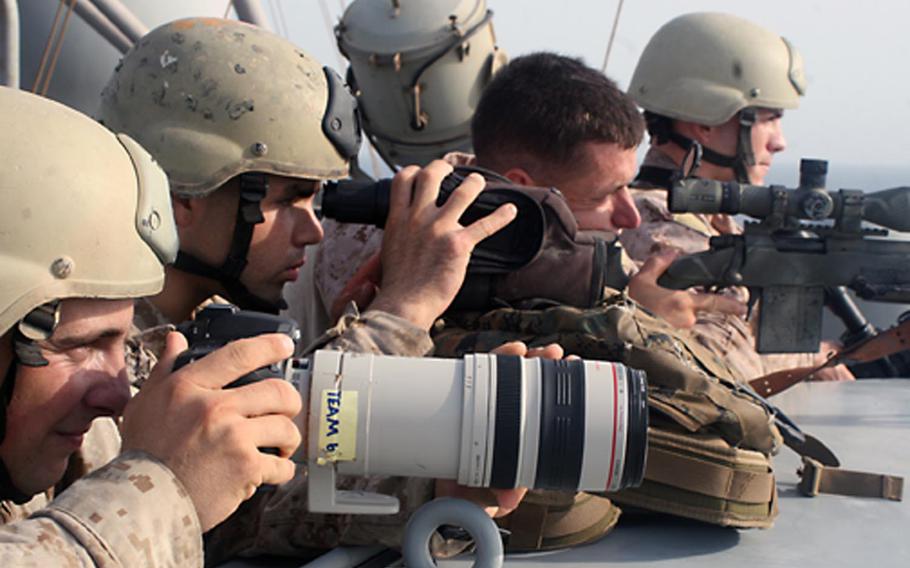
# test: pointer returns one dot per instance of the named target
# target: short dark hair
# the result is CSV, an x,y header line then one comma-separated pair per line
x,y
543,106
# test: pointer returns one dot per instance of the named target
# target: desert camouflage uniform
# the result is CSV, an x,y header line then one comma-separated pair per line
x,y
277,521
728,336
342,251
131,512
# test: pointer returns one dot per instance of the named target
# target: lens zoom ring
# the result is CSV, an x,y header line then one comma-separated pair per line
x,y
562,425
507,436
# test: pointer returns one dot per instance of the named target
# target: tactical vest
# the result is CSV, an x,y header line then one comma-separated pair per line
x,y
709,442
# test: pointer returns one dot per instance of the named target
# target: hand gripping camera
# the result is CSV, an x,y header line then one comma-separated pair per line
x,y
483,420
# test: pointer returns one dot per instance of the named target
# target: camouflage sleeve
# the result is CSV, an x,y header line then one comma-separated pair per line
x,y
131,512
661,231
374,332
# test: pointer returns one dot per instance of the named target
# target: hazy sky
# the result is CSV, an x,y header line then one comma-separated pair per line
x,y
856,112
857,107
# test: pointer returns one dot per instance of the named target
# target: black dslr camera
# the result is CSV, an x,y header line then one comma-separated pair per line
x,y
219,324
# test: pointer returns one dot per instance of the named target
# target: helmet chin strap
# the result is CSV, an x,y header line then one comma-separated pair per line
x,y
8,490
740,162
253,188
39,323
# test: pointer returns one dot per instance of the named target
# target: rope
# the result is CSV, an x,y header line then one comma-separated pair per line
x,y
612,36
49,71
277,12
284,21
274,16
227,9
47,48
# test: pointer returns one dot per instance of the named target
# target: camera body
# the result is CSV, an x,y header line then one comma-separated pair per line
x,y
219,324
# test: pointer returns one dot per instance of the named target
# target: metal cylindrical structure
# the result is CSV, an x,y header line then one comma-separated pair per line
x,y
9,43
251,11
123,18
92,16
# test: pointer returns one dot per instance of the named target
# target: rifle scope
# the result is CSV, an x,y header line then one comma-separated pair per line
x,y
888,208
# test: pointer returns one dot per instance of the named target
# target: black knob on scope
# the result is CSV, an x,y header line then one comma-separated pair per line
x,y
813,173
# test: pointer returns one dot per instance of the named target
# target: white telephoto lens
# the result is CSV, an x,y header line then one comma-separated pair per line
x,y
483,420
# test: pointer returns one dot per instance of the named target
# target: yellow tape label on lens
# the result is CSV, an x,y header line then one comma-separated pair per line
x,y
338,425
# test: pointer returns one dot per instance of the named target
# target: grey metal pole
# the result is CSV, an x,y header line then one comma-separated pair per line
x,y
345,556
92,16
251,11
9,43
122,17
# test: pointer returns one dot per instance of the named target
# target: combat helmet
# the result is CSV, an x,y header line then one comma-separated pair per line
x,y
86,214
418,69
216,99
707,68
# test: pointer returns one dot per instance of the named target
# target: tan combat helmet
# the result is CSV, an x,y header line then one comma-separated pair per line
x,y
211,99
85,214
215,99
707,67
418,69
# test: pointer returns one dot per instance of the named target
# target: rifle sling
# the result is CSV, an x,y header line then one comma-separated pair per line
x,y
883,344
773,383
816,478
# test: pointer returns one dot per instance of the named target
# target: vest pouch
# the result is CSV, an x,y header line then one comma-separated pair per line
x,y
700,476
549,520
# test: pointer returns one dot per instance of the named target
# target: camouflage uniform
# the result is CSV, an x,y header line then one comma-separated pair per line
x,y
342,251
107,517
728,336
277,521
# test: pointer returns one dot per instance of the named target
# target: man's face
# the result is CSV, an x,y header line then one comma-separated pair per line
x,y
767,140
596,187
53,406
277,249
276,252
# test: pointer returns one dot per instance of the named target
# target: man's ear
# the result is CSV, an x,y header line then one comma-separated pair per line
x,y
705,134
699,132
519,176
184,210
